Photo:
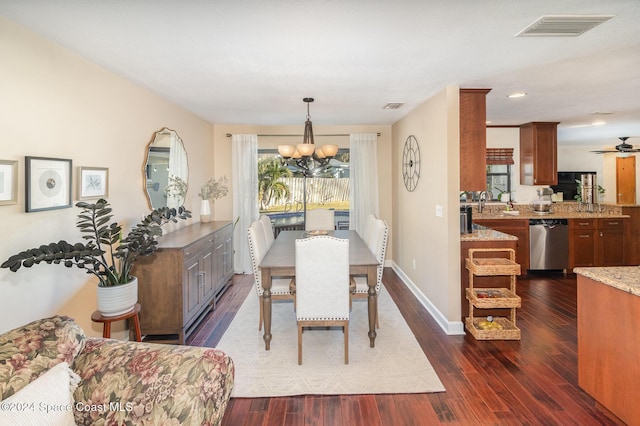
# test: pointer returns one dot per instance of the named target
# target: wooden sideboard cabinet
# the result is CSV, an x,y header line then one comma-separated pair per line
x,y
597,242
181,282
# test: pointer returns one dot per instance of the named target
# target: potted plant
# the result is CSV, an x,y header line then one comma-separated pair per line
x,y
106,254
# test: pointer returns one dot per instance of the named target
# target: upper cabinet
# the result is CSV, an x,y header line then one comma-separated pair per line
x,y
539,153
473,139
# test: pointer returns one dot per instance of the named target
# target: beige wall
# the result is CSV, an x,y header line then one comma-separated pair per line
x,y
57,104
427,247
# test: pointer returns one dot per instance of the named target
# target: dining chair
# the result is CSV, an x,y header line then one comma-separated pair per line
x,y
379,232
322,286
268,229
366,232
281,288
320,220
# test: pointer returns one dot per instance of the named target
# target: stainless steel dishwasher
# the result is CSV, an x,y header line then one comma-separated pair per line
x,y
548,244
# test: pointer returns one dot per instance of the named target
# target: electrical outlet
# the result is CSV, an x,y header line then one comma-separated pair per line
x,y
438,211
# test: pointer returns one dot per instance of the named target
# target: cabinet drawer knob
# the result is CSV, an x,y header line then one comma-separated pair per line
x,y
584,224
585,236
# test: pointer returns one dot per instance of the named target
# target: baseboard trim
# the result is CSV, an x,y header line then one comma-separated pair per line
x,y
452,328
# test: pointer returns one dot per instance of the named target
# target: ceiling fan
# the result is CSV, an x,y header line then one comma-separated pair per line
x,y
624,147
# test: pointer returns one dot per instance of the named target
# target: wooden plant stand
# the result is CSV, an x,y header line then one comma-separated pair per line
x,y
490,298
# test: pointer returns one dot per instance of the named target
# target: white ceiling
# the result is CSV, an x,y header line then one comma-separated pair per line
x,y
252,61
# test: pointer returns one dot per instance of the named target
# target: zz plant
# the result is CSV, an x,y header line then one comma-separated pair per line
x,y
106,254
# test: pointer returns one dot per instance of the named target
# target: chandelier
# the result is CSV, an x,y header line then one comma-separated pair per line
x,y
306,157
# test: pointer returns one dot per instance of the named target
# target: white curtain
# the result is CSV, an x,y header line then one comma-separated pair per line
x,y
244,178
363,173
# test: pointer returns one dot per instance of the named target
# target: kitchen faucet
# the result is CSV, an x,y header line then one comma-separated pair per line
x,y
482,199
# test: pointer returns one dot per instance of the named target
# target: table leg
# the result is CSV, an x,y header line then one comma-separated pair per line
x,y
266,306
106,331
372,277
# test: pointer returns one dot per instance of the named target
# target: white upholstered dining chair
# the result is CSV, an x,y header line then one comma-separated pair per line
x,y
322,286
281,288
267,228
378,235
320,220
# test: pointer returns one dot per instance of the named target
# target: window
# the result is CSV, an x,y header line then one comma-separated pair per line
x,y
280,189
499,161
498,180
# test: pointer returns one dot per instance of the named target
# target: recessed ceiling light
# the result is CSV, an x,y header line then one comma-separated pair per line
x,y
393,105
517,95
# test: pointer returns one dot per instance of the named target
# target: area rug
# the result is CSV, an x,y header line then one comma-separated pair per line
x,y
396,364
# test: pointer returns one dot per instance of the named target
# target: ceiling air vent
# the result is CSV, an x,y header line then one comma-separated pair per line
x,y
562,25
393,105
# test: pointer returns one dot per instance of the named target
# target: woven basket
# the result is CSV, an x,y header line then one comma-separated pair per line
x,y
504,298
484,266
508,332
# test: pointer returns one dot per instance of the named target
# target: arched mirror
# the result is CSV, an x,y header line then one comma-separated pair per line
x,y
166,171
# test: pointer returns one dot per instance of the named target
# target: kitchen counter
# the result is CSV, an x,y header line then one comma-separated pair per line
x,y
625,278
566,210
609,338
481,233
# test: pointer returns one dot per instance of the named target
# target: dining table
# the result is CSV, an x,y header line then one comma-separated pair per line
x,y
280,261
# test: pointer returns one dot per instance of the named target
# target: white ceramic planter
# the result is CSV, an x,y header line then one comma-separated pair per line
x,y
114,301
205,211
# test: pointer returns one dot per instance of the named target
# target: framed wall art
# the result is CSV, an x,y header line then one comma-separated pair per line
x,y
8,182
47,183
93,182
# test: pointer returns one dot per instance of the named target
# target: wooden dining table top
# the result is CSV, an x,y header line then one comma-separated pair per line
x,y
281,254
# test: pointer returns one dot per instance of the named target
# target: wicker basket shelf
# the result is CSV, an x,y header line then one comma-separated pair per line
x,y
492,266
491,298
508,332
495,298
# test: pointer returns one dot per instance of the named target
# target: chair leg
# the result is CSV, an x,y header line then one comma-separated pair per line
x,y
345,329
299,344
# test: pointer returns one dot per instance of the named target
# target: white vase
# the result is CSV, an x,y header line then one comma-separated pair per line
x,y
117,300
205,211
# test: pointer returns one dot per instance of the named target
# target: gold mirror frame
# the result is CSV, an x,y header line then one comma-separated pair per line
x,y
166,170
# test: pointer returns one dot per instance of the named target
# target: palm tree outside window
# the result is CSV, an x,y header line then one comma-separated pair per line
x,y
280,189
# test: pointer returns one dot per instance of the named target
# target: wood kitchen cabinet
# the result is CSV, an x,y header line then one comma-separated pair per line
x,y
182,280
473,139
632,235
516,227
597,242
539,153
582,242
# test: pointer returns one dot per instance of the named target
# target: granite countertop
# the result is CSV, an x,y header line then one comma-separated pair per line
x,y
566,210
625,278
481,233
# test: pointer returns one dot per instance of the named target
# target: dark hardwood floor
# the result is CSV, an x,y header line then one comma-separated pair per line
x,y
529,382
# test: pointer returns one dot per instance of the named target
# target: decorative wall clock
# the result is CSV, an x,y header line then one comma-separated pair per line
x,y
411,163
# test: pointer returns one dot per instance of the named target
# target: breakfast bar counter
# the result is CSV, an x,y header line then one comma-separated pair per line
x,y
609,338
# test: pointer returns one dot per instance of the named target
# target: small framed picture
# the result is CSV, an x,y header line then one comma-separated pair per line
x,y
93,182
47,183
8,182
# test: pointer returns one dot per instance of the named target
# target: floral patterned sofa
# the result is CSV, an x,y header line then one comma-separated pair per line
x,y
115,382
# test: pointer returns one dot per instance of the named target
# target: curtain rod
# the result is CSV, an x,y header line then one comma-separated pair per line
x,y
299,136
